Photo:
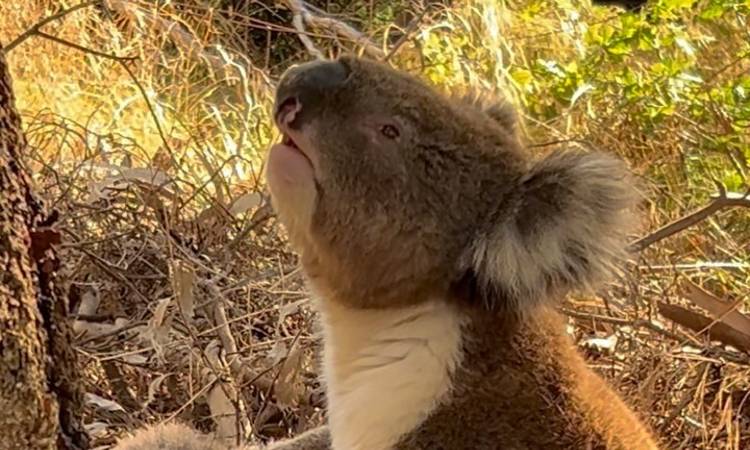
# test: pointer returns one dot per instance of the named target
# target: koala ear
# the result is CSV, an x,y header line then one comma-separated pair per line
x,y
498,109
566,229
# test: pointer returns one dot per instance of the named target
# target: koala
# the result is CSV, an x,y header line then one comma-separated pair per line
x,y
436,249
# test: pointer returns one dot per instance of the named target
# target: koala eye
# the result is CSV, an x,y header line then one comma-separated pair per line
x,y
390,131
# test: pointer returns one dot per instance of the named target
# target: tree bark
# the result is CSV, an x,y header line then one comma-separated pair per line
x,y
40,396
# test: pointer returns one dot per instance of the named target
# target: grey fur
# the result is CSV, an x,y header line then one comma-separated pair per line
x,y
170,436
176,436
315,439
566,230
496,107
453,208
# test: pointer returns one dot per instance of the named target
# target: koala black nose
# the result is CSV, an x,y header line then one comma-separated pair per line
x,y
314,75
303,88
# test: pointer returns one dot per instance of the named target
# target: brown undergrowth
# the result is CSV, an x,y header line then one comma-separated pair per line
x,y
188,303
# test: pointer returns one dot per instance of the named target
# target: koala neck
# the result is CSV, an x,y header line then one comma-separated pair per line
x,y
386,369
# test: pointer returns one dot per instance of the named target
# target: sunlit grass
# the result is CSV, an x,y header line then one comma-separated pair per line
x,y
206,128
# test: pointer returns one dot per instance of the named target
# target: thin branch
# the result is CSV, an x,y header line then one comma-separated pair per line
x,y
221,324
636,323
560,142
83,49
299,11
34,30
411,28
729,65
340,28
275,379
701,324
303,14
184,39
113,272
113,332
151,110
721,201
123,60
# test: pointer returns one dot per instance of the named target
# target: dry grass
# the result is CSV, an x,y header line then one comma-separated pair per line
x,y
189,304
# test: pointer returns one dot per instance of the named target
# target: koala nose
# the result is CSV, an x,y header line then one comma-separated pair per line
x,y
303,87
314,75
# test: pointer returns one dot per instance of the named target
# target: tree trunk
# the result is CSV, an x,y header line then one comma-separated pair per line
x,y
40,396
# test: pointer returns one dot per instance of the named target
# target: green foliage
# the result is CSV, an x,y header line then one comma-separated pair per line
x,y
679,66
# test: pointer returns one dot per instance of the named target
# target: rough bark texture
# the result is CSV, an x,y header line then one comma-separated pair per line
x,y
40,401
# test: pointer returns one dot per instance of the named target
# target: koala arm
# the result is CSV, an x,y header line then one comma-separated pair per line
x,y
170,436
315,439
176,436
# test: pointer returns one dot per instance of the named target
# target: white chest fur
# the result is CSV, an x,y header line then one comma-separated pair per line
x,y
385,370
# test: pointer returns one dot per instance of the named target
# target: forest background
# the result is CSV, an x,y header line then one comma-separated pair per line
x,y
147,124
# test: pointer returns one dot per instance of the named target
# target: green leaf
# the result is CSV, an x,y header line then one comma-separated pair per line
x,y
713,11
678,4
523,77
620,48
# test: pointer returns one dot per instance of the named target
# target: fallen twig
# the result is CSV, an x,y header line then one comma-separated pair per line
x,y
699,323
299,12
637,323
721,201
721,310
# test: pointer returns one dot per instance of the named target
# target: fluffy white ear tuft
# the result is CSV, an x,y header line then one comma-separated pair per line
x,y
565,230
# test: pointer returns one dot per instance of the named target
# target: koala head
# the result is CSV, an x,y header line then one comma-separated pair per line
x,y
394,193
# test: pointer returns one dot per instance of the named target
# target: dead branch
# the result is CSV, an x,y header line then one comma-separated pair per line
x,y
83,49
698,323
221,323
123,60
151,110
227,408
299,13
303,14
35,29
722,200
637,323
114,332
720,309
411,28
186,41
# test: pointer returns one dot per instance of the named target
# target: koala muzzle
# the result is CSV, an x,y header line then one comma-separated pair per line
x,y
302,89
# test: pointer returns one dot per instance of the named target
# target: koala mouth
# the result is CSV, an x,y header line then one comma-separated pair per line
x,y
289,142
294,136
294,157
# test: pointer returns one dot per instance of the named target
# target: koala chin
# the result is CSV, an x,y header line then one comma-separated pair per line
x,y
436,250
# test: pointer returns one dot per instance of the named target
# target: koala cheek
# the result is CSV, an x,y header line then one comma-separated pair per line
x,y
291,181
